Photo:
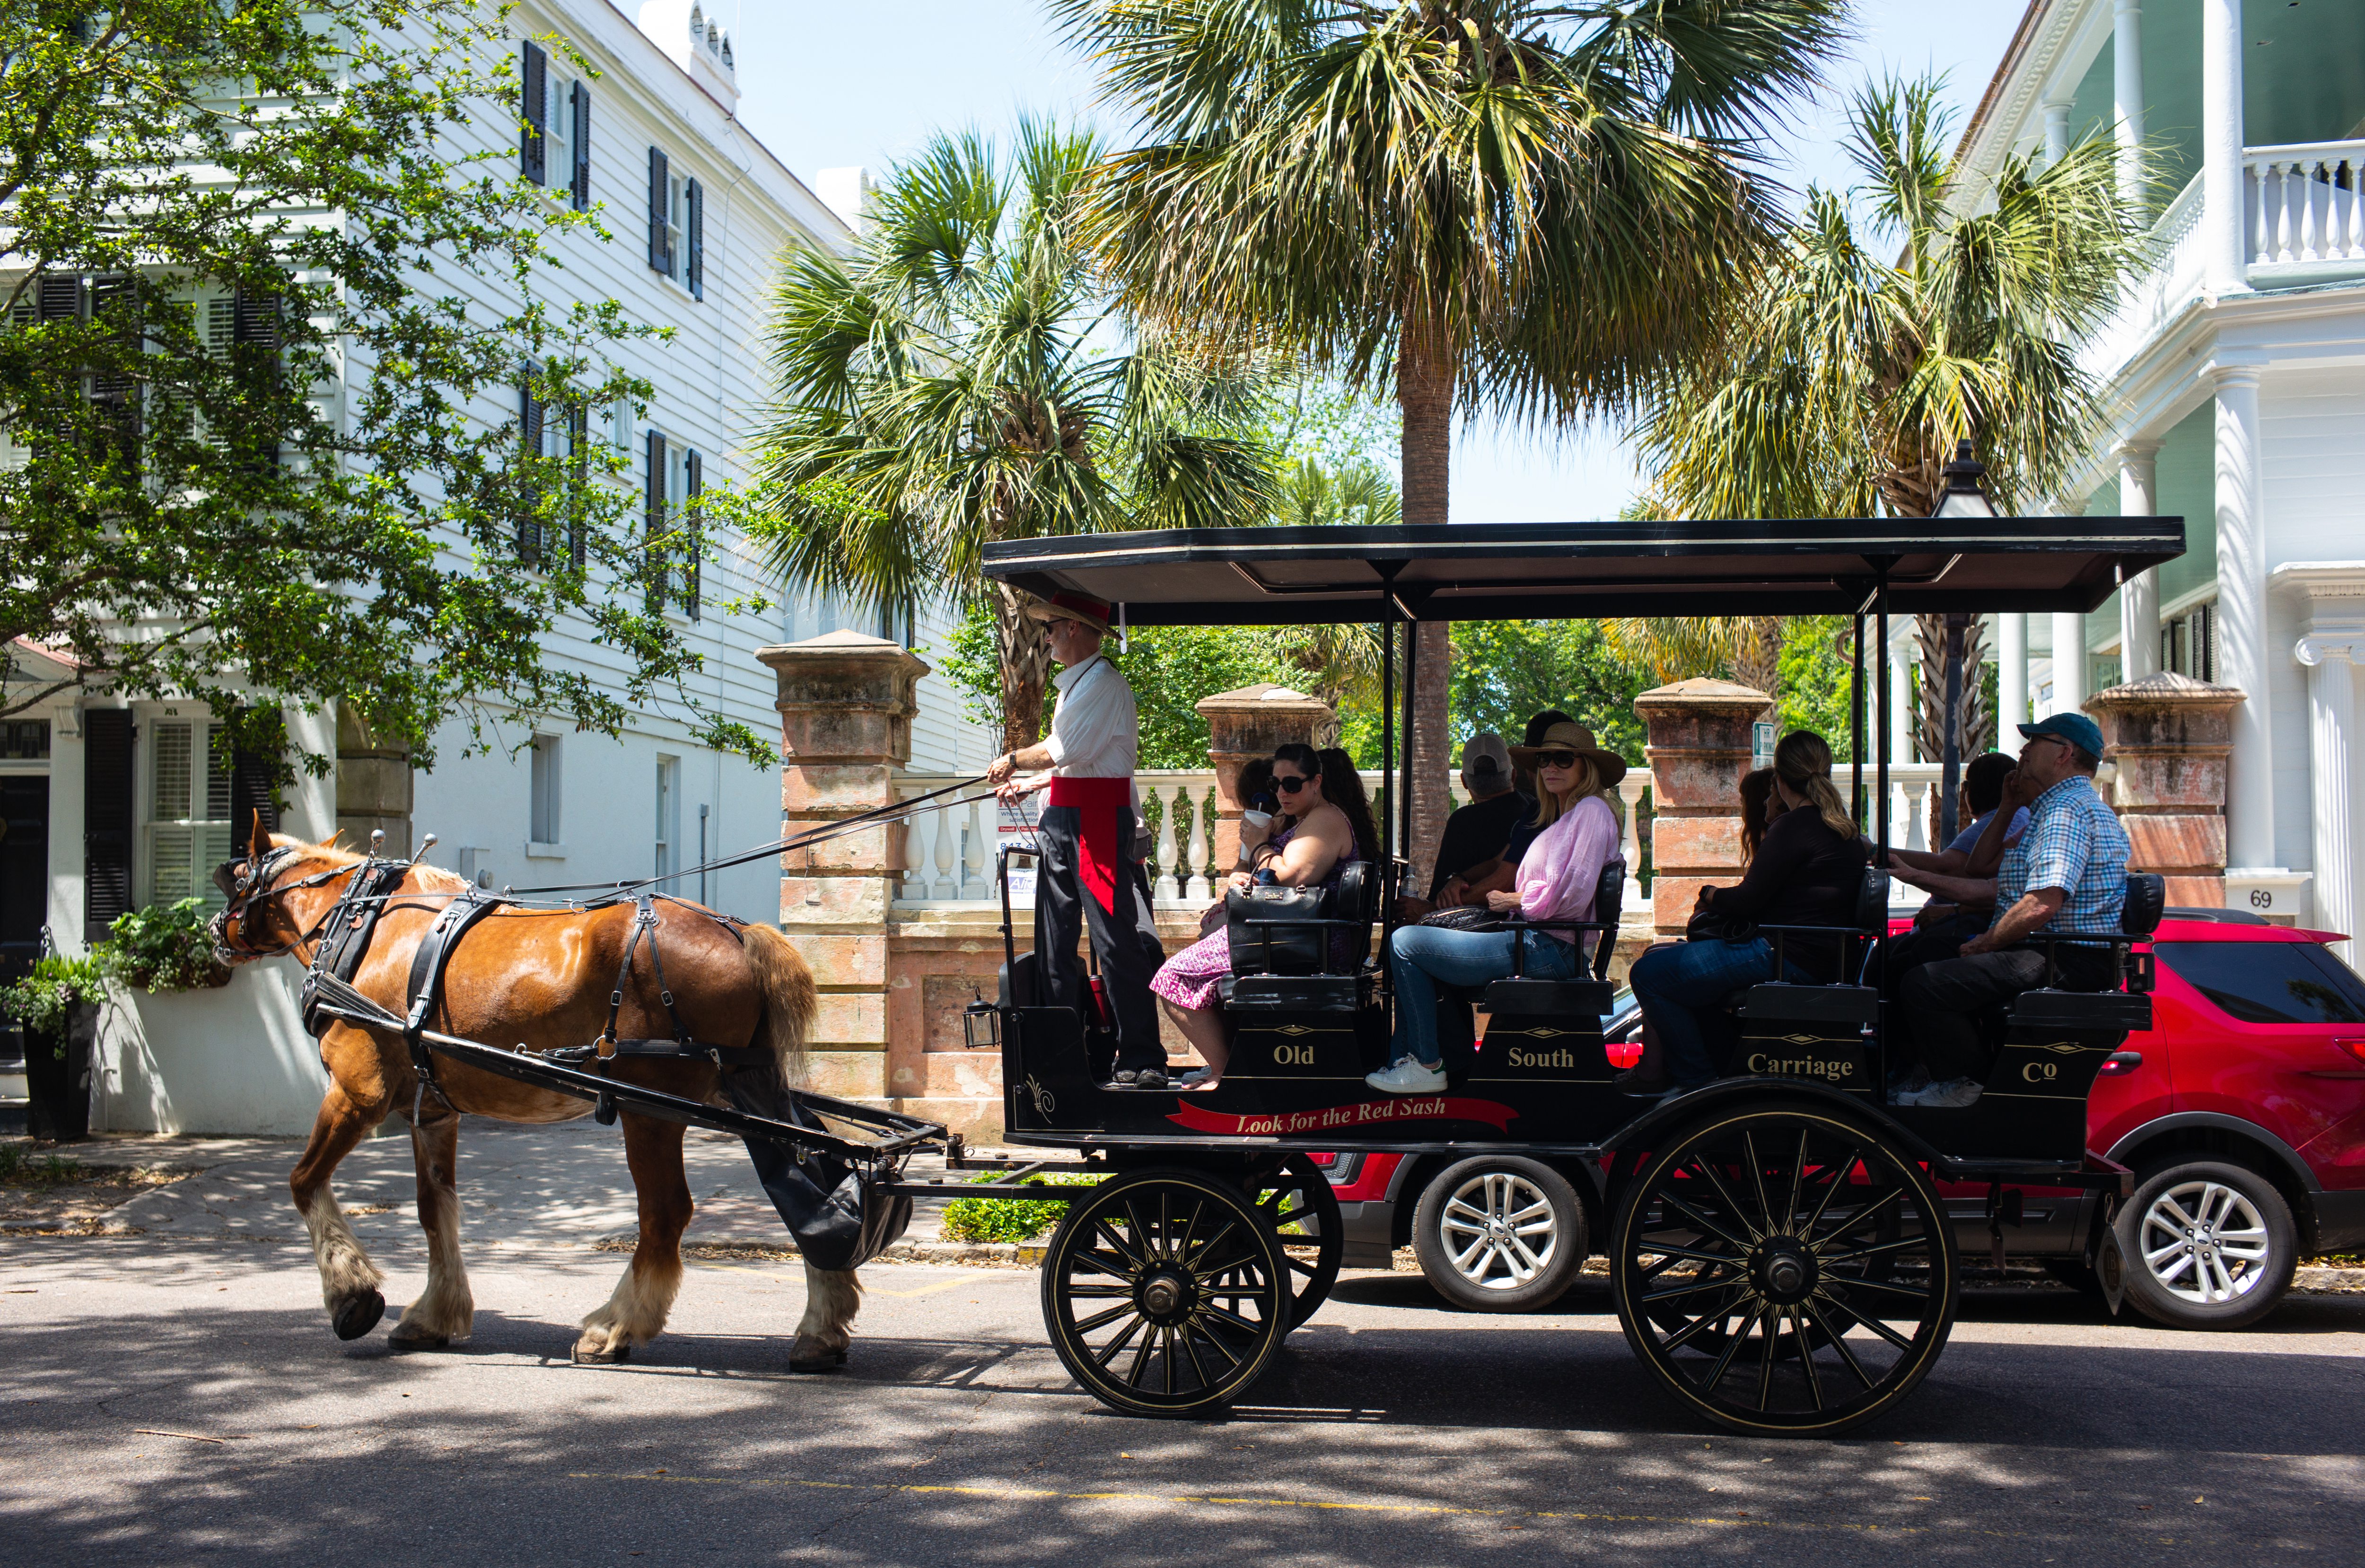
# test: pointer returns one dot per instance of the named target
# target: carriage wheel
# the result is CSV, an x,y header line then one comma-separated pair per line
x,y
1297,1192
1784,1270
1165,1293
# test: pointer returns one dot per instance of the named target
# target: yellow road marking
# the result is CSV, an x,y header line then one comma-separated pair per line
x,y
1024,1494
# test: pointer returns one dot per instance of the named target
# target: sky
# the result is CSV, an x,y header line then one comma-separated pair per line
x,y
827,86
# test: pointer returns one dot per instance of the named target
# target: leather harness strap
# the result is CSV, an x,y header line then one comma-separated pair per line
x,y
426,966
347,932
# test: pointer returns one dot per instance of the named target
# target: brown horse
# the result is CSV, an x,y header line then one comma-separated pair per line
x,y
533,980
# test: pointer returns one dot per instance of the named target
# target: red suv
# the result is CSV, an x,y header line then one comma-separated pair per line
x,y
2241,1112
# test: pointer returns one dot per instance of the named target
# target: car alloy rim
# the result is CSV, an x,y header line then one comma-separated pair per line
x,y
2204,1243
1498,1230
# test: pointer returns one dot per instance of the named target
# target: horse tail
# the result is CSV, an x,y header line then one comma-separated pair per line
x,y
785,983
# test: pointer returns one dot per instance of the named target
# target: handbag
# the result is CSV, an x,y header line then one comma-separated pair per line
x,y
1463,917
1710,927
1261,937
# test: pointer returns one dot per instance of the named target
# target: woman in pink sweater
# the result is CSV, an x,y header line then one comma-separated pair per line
x,y
1556,880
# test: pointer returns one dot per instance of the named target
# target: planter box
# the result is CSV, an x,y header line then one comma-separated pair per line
x,y
57,1077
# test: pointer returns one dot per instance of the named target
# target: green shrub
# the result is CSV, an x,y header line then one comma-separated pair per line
x,y
161,947
42,1001
1008,1219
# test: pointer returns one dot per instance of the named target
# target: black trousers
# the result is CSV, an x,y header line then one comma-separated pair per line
x,y
1125,941
1930,944
1944,1001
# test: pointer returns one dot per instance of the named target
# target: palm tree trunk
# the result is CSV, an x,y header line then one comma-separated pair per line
x,y
1757,661
1025,658
1425,396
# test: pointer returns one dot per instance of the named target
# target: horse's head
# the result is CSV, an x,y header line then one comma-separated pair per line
x,y
265,916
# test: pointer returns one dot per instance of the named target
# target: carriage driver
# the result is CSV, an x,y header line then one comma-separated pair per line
x,y
1089,871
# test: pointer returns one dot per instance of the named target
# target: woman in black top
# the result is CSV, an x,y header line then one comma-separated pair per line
x,y
1805,872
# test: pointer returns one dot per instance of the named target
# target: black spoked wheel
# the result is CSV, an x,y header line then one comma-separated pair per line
x,y
1784,1270
1302,1212
1165,1293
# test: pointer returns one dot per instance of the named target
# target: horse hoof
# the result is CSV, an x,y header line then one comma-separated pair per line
x,y
584,1358
359,1314
399,1341
828,1360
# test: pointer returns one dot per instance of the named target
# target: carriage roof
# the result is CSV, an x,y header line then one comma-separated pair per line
x,y
1560,570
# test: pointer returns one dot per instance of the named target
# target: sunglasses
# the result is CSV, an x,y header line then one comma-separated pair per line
x,y
1289,784
1556,759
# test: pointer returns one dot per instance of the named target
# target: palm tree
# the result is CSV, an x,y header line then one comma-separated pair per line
x,y
1527,208
1870,349
962,378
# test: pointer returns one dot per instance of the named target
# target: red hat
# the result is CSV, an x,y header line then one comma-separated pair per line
x,y
1067,606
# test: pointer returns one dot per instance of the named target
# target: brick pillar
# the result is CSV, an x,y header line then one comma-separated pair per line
x,y
1697,747
1242,727
374,786
2172,738
845,704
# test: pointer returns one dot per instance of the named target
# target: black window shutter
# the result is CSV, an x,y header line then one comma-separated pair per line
x,y
694,480
655,519
115,386
59,298
694,271
534,81
528,523
578,447
105,818
582,142
661,248
254,790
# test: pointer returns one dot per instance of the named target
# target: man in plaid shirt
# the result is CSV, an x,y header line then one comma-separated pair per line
x,y
2068,873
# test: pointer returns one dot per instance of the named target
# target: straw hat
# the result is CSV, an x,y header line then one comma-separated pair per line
x,y
1065,606
1576,738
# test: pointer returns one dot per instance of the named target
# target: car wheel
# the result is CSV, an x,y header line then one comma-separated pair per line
x,y
2208,1244
1500,1233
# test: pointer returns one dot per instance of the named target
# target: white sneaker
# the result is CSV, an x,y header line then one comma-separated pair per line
x,y
1949,1094
1409,1076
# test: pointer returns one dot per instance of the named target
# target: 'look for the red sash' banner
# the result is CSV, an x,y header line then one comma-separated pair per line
x,y
1368,1112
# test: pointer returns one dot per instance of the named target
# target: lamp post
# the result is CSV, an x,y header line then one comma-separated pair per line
x,y
1962,498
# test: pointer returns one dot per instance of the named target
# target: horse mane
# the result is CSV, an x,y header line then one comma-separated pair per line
x,y
431,879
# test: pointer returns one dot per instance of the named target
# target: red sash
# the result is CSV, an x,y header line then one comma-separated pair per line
x,y
1099,858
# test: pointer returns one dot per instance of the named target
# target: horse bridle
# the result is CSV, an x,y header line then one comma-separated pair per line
x,y
252,887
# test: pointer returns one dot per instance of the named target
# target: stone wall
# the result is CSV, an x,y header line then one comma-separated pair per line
x,y
2172,738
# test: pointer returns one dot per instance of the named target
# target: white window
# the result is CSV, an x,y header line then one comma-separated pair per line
x,y
558,131
677,223
188,827
669,825
544,810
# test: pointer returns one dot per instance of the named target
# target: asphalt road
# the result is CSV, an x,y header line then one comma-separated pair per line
x,y
1391,1432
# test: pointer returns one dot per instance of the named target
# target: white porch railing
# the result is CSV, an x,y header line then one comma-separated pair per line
x,y
2302,204
2302,219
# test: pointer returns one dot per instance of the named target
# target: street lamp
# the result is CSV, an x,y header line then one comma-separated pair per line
x,y
1962,498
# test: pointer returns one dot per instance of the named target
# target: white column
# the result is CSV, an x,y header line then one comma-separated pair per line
x,y
2011,679
2333,778
2138,600
1902,656
310,803
2068,663
2222,220
2127,83
2057,129
2242,618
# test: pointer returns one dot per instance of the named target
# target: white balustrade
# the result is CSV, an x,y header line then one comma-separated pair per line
x,y
973,882
2303,203
945,887
1629,839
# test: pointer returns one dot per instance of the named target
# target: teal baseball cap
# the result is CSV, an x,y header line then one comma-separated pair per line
x,y
2076,728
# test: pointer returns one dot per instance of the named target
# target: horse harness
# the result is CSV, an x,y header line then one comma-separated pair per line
x,y
344,942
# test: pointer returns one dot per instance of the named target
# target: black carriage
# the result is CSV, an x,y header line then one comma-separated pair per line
x,y
1779,1253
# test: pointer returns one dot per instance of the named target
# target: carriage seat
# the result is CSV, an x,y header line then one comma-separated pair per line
x,y
1840,1003
1597,996
1351,904
2124,1010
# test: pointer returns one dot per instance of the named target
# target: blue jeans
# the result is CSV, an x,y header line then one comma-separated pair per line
x,y
1421,957
1671,983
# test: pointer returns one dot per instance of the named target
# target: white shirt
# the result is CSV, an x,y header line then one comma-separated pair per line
x,y
1096,730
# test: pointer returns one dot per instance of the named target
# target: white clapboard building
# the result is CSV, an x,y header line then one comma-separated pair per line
x,y
112,805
